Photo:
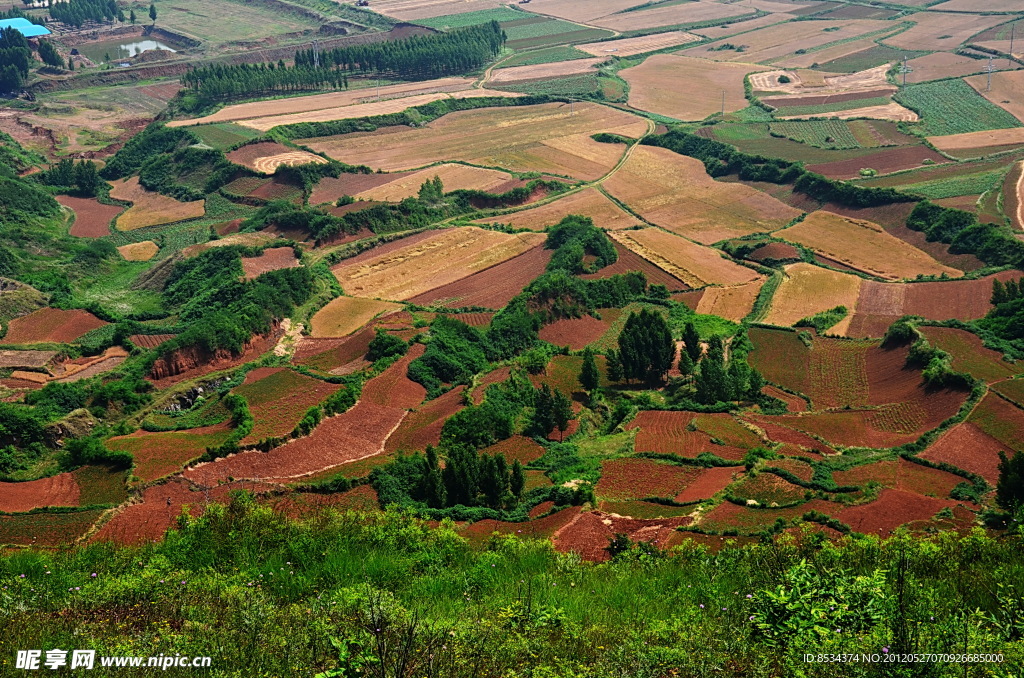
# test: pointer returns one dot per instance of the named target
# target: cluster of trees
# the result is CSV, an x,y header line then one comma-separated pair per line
x,y
155,140
575,237
646,349
15,59
552,410
1006,320
415,58
716,378
187,174
992,244
80,177
48,53
1011,290
77,12
455,353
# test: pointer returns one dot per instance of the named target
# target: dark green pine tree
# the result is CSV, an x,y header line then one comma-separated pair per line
x,y
646,347
491,485
712,382
543,411
755,384
614,366
716,349
132,17
686,364
590,377
517,480
461,475
48,53
152,12
86,178
691,338
433,485
561,412
1010,487
738,379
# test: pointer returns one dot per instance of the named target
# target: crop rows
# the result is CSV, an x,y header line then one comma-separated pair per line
x,y
572,85
953,107
838,373
834,134
898,418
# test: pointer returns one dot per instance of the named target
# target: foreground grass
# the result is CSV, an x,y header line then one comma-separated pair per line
x,y
387,595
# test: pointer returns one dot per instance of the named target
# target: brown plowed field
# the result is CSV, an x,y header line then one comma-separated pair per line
x,y
46,529
516,448
278,399
863,245
547,138
793,403
329,189
575,333
886,160
808,446
300,505
423,425
1000,419
892,509
150,340
51,325
392,387
942,31
953,143
820,99
92,219
966,446
590,534
779,251
636,478
667,433
192,363
728,515
543,528
588,203
266,156
344,315
775,42
676,193
732,303
555,69
160,454
767,489
685,88
901,474
1007,90
938,65
149,208
454,176
25,359
695,264
696,12
272,259
360,432
707,483
442,258
630,261
58,490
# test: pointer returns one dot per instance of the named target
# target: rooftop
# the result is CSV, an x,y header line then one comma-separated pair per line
x,y
25,27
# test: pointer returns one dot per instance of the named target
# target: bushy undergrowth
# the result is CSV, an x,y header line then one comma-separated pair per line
x,y
387,595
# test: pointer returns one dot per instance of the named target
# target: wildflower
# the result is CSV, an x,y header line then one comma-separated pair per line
x,y
885,649
78,588
702,606
750,595
93,574
22,576
751,617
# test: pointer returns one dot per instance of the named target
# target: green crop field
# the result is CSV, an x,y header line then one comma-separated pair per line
x,y
574,85
822,109
546,56
223,135
964,184
541,31
820,133
500,14
205,20
868,58
953,107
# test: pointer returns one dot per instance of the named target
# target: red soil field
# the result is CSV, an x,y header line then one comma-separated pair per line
x,y
51,325
793,403
809,447
386,248
711,542
591,532
517,447
150,340
278,189
1000,419
423,425
299,505
493,377
58,490
278,399
728,515
541,508
92,218
966,446
667,433
392,388
330,189
542,528
780,251
149,520
631,261
46,529
707,483
768,489
637,478
901,474
801,469
329,355
360,432
817,100
690,299
969,354
575,333
491,288
190,363
781,357
474,319
272,259
884,161
160,454
892,509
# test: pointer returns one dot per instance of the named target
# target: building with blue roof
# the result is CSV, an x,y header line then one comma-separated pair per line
x,y
25,27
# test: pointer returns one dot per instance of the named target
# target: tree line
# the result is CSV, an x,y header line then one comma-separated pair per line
x,y
77,12
420,57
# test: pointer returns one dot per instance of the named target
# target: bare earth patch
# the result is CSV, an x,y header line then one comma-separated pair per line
x,y
588,203
139,251
694,264
687,88
149,208
345,315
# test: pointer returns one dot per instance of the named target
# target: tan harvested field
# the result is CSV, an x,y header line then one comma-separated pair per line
x,y
438,259
686,88
345,315
765,45
694,264
675,192
139,251
732,303
537,71
939,31
640,45
864,246
825,55
809,289
366,109
544,138
588,203
891,111
974,6
942,65
247,239
581,10
689,13
10,359
149,208
317,102
741,26
1007,90
410,10
453,176
816,83
984,139
266,157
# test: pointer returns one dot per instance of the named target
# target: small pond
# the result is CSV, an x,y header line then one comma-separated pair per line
x,y
120,49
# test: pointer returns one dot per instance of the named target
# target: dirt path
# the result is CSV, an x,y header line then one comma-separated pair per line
x,y
1020,197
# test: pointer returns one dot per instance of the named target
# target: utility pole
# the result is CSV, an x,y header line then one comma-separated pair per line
x,y
904,69
723,102
1013,29
316,54
991,67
